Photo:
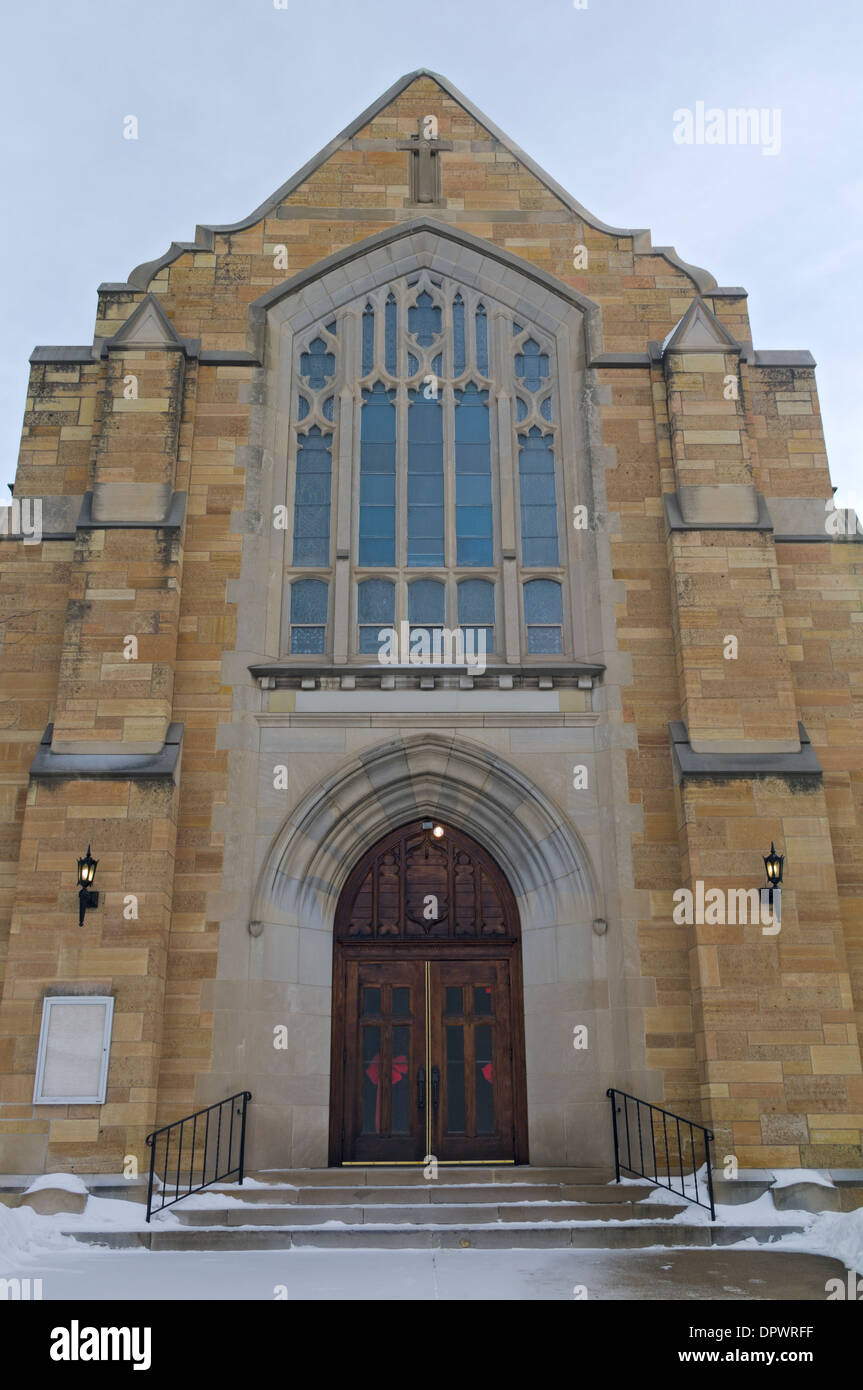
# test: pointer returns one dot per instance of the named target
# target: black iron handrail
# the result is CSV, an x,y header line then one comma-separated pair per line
x,y
672,1159
204,1148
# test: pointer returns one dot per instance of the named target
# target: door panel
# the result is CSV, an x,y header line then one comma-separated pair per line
x,y
470,1052
428,1063
384,1061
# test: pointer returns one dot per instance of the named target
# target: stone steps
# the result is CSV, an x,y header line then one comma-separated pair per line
x,y
398,1208
425,1214
432,1195
466,1175
601,1236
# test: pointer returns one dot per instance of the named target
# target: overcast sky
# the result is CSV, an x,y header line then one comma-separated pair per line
x,y
232,96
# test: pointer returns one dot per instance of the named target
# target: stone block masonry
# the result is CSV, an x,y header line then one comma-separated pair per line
x,y
697,456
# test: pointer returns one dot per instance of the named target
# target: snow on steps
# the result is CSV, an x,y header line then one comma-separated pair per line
x,y
467,1208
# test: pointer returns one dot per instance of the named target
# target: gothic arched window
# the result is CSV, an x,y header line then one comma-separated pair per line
x,y
425,454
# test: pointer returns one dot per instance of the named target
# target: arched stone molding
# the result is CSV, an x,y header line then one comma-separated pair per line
x,y
440,776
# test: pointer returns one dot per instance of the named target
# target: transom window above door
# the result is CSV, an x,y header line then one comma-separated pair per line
x,y
425,451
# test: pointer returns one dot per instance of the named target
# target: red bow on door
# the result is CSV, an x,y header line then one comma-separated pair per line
x,y
373,1072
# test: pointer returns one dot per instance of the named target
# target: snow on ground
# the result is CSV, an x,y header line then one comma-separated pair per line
x,y
24,1235
32,1245
652,1274
64,1182
761,1212
835,1233
787,1177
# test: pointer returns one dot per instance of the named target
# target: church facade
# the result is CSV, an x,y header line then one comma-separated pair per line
x,y
428,608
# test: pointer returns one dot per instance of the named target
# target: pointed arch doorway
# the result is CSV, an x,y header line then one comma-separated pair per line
x,y
428,1018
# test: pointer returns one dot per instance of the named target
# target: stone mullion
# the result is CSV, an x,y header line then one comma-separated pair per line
x,y
471,302
500,330
341,594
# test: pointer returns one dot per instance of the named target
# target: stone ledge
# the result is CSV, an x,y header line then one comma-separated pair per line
x,y
119,766
783,357
621,359
675,522
63,354
211,357
741,765
325,675
172,522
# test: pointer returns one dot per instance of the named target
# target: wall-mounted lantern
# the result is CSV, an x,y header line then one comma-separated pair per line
x,y
773,863
86,897
773,867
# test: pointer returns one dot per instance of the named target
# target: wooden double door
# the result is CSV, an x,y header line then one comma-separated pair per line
x,y
428,1061
428,1027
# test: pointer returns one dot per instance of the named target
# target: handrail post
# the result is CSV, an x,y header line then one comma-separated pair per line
x,y
707,1137
611,1095
243,1138
152,1143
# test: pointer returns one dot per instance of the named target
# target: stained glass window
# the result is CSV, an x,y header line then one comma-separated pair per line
x,y
317,364
531,364
426,604
411,463
391,328
425,480
476,608
458,358
308,617
481,341
424,319
539,542
368,340
473,518
378,478
312,499
376,600
543,616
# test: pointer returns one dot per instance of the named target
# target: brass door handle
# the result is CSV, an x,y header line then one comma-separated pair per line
x,y
435,1083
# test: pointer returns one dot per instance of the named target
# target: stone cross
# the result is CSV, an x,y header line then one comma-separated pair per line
x,y
425,184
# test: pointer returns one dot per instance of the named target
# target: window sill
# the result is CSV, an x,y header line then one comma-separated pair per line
x,y
326,675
